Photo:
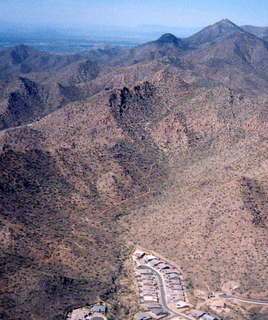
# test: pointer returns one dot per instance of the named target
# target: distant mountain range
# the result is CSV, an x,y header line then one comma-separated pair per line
x,y
219,54
72,40
162,145
140,32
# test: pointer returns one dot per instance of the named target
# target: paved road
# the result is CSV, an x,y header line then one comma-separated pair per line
x,y
163,296
226,296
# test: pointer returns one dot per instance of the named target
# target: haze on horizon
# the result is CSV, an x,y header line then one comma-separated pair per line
x,y
132,13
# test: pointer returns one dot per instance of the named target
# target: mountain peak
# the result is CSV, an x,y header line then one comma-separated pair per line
x,y
226,22
168,38
215,32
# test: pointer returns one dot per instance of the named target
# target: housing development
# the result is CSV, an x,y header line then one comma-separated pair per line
x,y
162,291
162,294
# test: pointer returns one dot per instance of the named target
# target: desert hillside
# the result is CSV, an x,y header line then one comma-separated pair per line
x,y
167,150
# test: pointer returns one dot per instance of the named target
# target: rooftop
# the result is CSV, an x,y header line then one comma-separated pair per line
x,y
197,313
149,258
158,311
142,316
182,304
99,308
207,317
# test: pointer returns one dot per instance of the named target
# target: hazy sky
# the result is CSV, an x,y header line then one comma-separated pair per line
x,y
181,13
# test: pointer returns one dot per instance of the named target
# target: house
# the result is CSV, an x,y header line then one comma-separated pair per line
x,y
149,290
142,316
182,304
153,263
148,283
173,273
174,287
172,277
175,293
178,297
147,276
151,279
139,254
161,265
149,258
176,283
149,286
145,272
159,311
165,267
150,298
150,293
153,305
207,317
98,308
197,313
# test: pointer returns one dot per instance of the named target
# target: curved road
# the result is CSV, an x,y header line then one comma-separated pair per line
x,y
226,296
163,300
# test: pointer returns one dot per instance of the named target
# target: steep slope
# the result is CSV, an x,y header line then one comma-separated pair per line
x,y
212,34
78,72
26,103
179,169
257,31
49,84
240,61
23,60
76,170
24,100
212,221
